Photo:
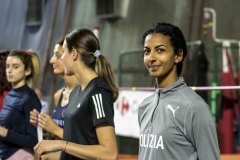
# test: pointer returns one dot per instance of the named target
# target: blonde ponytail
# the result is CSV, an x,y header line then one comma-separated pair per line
x,y
32,82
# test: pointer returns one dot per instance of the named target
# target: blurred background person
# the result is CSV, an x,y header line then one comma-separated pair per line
x,y
5,86
54,124
17,135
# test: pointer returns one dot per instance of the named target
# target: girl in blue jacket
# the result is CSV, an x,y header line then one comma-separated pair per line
x,y
17,135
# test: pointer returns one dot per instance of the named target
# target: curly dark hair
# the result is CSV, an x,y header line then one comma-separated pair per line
x,y
4,84
176,38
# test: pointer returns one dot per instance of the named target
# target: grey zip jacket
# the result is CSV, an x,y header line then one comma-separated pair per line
x,y
176,124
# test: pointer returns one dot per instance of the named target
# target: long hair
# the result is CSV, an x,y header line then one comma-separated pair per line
x,y
4,84
30,61
176,38
86,43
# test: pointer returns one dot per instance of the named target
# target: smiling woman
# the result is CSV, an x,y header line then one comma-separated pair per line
x,y
160,59
54,124
175,123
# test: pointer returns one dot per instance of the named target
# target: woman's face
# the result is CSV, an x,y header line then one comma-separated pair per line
x,y
159,56
57,63
67,60
15,70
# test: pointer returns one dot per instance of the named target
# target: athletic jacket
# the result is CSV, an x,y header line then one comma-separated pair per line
x,y
15,117
176,124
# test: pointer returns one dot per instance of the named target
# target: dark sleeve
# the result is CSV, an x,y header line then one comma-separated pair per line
x,y
202,132
101,102
28,138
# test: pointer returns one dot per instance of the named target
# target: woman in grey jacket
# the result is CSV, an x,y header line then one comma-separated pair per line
x,y
175,123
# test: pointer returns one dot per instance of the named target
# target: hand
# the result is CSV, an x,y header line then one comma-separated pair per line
x,y
34,117
3,131
51,156
47,123
48,146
